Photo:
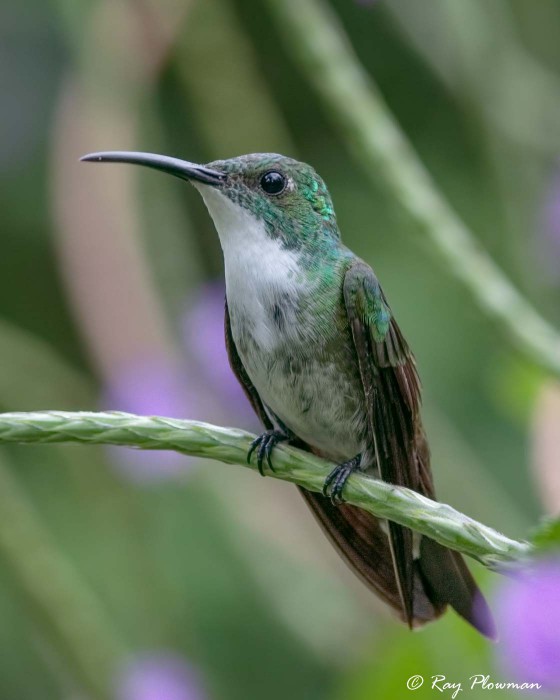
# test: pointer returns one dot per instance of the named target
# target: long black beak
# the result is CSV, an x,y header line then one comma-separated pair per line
x,y
173,166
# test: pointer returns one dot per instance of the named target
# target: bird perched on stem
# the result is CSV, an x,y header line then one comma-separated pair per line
x,y
314,343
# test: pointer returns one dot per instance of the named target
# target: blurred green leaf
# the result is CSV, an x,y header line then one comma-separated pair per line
x,y
547,535
33,374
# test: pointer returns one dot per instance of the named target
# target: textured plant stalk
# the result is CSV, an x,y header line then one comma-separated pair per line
x,y
436,520
74,621
318,43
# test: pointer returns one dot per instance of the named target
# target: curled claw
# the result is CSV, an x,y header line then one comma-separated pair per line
x,y
336,480
264,445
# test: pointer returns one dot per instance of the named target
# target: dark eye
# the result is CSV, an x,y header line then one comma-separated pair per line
x,y
273,182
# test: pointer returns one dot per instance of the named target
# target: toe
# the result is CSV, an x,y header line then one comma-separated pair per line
x,y
339,482
270,446
331,478
253,446
264,445
261,454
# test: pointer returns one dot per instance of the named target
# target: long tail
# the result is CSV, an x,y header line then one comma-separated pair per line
x,y
441,576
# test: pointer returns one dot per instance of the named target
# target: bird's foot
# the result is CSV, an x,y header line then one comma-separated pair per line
x,y
336,480
264,445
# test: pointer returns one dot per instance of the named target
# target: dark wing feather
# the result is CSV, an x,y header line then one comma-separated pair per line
x,y
392,392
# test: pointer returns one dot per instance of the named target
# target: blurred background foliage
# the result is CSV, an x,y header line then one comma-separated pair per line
x,y
212,583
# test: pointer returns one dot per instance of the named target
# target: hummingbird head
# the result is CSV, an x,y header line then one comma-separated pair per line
x,y
286,196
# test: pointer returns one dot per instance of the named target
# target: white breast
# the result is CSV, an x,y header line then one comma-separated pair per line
x,y
260,272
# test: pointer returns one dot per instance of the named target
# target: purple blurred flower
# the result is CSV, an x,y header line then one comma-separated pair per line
x,y
163,676
150,387
528,615
550,247
203,337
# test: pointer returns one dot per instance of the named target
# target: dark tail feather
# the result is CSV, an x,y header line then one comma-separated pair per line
x,y
441,576
361,541
447,579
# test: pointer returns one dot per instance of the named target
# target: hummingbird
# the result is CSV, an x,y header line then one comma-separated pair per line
x,y
315,346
